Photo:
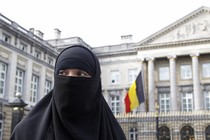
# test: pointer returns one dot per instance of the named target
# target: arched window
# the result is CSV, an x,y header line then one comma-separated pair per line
x,y
164,133
1,124
207,131
133,134
187,133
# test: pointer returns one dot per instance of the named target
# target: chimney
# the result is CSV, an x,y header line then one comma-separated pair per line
x,y
57,33
39,34
31,30
126,38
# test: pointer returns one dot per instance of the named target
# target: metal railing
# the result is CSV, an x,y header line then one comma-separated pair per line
x,y
176,121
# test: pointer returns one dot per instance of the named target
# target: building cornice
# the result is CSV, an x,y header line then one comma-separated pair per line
x,y
117,53
118,61
21,32
173,44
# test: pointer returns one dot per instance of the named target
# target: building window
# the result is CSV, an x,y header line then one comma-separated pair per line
x,y
206,70
164,133
34,88
207,132
19,81
207,99
132,74
37,54
6,38
186,72
48,86
163,73
115,77
187,102
23,47
3,73
164,101
115,104
49,60
187,133
133,134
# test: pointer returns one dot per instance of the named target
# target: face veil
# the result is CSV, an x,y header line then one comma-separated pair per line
x,y
76,94
76,99
75,109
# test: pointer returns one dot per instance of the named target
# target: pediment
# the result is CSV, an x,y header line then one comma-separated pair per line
x,y
196,25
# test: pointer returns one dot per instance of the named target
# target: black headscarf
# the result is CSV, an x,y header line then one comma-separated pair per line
x,y
75,109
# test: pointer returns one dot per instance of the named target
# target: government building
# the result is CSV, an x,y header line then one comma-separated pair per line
x,y
175,67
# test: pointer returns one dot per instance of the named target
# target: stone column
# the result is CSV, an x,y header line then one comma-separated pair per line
x,y
11,76
173,85
28,81
151,84
196,82
41,93
142,107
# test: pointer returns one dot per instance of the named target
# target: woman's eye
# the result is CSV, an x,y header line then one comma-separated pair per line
x,y
82,74
61,72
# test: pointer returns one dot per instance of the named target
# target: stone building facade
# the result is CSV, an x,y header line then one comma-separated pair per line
x,y
175,63
26,68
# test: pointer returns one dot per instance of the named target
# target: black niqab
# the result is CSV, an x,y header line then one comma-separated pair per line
x,y
75,109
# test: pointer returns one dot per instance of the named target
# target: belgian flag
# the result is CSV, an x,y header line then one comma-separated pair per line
x,y
135,94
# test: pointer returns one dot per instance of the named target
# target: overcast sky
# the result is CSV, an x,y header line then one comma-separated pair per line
x,y
98,22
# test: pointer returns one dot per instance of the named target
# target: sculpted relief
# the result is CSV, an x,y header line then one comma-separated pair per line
x,y
199,28
192,30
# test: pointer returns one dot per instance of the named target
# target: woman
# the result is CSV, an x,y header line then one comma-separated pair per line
x,y
75,109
